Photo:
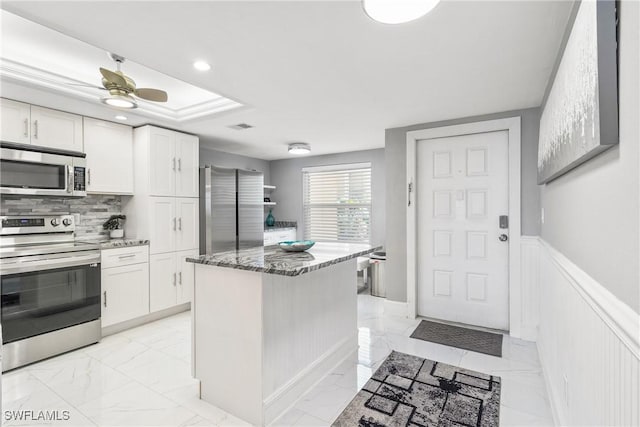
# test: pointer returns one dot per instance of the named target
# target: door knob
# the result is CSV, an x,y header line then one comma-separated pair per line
x,y
503,238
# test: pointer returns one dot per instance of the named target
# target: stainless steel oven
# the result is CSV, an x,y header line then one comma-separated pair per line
x,y
50,288
41,172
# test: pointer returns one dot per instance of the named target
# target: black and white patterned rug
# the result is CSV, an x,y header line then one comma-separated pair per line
x,y
411,391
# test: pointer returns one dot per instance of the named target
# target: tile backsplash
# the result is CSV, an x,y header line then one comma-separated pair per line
x,y
94,210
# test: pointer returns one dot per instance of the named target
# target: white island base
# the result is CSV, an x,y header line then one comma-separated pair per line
x,y
262,340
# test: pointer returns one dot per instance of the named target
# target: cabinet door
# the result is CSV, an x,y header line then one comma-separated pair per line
x,y
162,162
163,281
187,234
187,183
163,226
186,275
56,129
125,293
109,149
15,117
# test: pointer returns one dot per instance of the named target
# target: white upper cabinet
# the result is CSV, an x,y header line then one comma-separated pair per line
x,y
187,147
109,149
163,162
168,162
56,129
16,119
30,124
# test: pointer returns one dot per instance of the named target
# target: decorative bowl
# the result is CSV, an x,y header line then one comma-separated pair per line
x,y
296,245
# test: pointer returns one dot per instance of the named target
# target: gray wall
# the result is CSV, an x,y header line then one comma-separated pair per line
x,y
213,157
395,161
286,175
591,213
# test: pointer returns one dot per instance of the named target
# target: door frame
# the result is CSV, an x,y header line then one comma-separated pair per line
x,y
512,125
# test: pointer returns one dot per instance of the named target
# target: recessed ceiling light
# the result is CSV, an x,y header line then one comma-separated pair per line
x,y
201,66
299,148
397,11
121,117
119,101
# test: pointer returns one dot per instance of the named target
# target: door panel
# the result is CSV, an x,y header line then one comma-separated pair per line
x,y
163,281
56,129
187,153
187,236
15,117
109,149
462,189
186,276
162,165
125,293
162,215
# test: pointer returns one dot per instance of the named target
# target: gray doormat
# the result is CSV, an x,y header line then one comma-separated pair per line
x,y
455,336
411,391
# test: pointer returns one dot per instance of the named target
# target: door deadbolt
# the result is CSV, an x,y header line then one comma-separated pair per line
x,y
503,238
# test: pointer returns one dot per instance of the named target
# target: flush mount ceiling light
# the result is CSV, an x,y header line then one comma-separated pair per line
x,y
299,148
397,11
119,101
201,66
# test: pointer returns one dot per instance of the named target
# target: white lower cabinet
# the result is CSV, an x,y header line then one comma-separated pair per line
x,y
125,285
171,279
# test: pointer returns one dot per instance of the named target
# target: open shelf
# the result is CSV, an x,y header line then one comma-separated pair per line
x,y
269,187
269,203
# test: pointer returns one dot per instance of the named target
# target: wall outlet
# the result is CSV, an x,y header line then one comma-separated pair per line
x,y
76,219
566,390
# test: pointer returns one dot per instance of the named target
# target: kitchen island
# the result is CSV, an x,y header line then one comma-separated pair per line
x,y
268,324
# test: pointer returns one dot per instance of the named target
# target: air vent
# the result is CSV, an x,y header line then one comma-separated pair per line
x,y
241,126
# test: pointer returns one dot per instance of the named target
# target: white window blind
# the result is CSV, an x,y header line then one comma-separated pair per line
x,y
337,203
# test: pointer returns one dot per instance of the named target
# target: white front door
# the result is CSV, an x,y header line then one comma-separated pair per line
x,y
462,265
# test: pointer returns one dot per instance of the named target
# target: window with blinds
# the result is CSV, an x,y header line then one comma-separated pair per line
x,y
337,203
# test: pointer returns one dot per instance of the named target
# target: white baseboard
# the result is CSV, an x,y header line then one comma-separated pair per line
x,y
395,308
139,321
589,346
286,396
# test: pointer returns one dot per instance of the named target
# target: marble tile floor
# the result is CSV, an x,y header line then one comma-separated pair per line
x,y
141,377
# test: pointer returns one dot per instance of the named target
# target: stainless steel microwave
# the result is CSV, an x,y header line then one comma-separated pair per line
x,y
38,171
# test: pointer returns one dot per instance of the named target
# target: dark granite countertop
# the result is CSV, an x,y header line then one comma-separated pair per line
x,y
115,243
273,260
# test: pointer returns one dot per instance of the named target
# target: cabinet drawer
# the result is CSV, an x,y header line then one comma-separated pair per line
x,y
124,256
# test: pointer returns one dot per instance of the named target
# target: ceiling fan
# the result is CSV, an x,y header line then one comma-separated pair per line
x,y
122,89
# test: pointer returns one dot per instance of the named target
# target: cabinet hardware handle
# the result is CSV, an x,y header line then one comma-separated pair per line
x,y
105,298
88,176
174,224
69,178
179,164
26,127
127,256
174,279
174,163
35,129
180,224
180,276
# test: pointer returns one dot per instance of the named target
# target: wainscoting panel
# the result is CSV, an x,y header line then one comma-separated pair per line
x,y
589,347
529,284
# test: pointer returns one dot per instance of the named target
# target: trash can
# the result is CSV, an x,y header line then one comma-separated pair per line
x,y
378,288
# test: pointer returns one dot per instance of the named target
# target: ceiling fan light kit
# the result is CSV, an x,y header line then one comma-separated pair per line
x,y
299,148
120,101
397,11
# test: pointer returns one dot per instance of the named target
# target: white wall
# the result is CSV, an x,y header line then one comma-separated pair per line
x,y
592,214
286,175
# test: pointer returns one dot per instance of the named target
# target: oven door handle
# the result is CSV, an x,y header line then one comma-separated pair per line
x,y
40,264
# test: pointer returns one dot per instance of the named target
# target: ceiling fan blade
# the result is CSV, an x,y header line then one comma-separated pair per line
x,y
113,77
155,95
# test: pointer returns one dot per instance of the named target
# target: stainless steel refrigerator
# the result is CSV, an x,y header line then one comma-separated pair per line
x,y
231,209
